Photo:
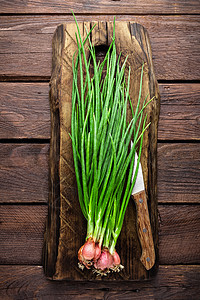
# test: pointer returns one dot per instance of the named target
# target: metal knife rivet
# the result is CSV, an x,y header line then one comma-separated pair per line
x,y
144,230
148,259
140,200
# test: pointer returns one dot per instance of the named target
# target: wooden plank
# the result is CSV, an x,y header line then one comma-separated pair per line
x,y
29,282
25,111
64,236
178,224
171,282
22,229
22,233
101,7
179,172
179,112
26,41
24,173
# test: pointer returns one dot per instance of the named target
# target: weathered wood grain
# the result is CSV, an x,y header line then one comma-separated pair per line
x,y
29,282
24,173
22,228
25,111
179,112
101,7
145,237
22,233
29,56
66,234
25,43
179,224
179,172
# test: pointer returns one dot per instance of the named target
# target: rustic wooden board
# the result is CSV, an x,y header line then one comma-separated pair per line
x,y
180,171
25,111
65,231
24,173
26,41
29,282
180,112
22,227
100,7
177,235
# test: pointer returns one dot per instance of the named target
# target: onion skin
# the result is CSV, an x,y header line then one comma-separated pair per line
x,y
97,252
80,255
116,258
88,251
91,255
105,261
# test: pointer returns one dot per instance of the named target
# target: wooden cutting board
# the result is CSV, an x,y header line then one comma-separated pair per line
x,y
66,226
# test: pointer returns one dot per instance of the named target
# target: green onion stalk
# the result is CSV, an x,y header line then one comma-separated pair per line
x,y
103,160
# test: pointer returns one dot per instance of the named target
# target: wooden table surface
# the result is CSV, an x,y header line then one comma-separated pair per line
x,y
26,30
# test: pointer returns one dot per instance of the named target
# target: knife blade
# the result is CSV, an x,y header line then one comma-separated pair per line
x,y
143,221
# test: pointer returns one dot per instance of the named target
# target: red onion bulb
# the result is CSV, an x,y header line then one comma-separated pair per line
x,y
88,251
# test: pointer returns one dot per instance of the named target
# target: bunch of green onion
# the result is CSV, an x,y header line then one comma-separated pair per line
x,y
103,161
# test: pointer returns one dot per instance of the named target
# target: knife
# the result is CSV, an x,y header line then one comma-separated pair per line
x,y
143,222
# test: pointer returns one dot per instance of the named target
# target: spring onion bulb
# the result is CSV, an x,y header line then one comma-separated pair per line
x,y
103,160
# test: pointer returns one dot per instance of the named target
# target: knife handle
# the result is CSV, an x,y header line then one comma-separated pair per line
x,y
144,230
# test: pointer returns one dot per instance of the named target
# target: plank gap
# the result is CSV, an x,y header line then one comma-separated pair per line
x,y
193,204
174,81
24,203
47,141
90,13
42,79
25,141
27,79
166,141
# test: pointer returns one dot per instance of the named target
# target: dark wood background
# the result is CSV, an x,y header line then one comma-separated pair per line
x,y
26,30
